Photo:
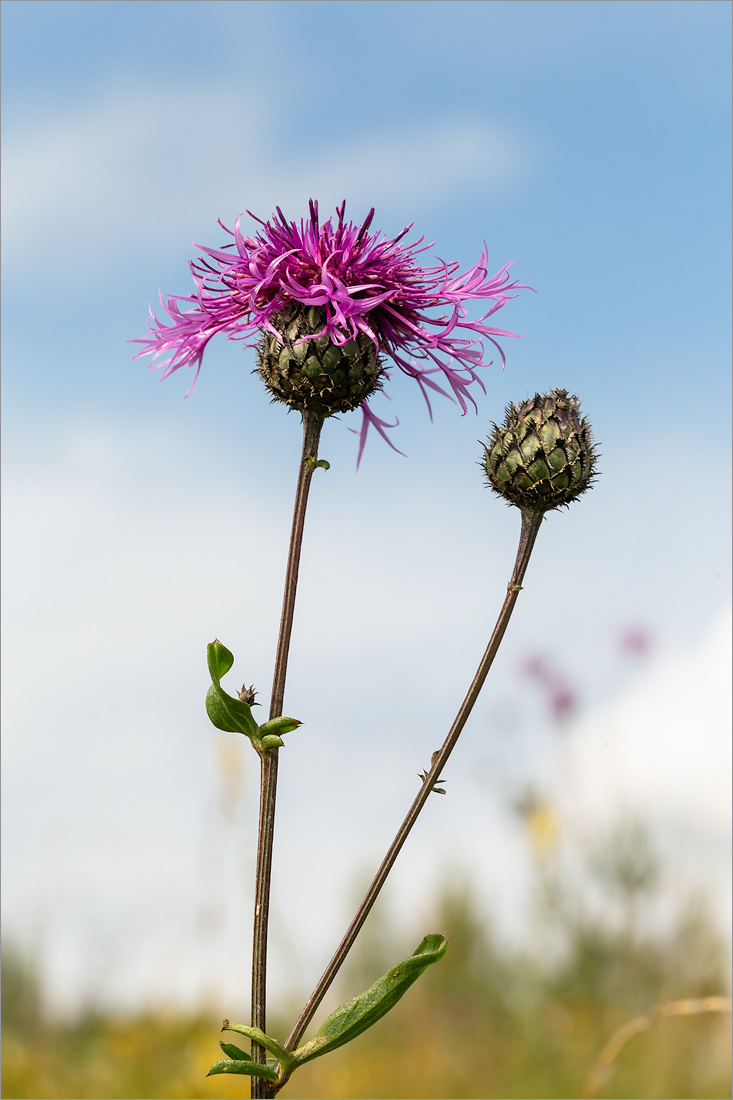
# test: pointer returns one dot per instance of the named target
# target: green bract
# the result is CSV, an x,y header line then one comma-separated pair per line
x,y
316,375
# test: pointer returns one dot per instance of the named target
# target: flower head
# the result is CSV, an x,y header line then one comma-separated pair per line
x,y
337,285
543,456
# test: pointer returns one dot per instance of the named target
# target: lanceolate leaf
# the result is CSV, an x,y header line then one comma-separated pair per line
x,y
279,726
235,1052
240,1062
358,1014
244,1068
265,1041
343,1025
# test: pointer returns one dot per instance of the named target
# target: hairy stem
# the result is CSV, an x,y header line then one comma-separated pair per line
x,y
530,526
268,759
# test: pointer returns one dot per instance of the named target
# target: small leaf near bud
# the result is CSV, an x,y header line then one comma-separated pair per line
x,y
226,713
219,658
271,741
278,726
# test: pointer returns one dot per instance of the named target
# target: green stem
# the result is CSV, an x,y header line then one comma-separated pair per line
x,y
530,526
312,425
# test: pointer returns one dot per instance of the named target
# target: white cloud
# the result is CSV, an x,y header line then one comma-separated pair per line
x,y
665,745
113,783
141,166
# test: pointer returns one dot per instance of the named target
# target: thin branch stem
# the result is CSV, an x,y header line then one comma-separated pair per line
x,y
530,526
311,434
268,759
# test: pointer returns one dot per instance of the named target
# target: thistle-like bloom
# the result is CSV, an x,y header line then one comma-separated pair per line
x,y
346,290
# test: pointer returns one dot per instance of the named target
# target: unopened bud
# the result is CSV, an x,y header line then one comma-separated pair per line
x,y
542,456
247,695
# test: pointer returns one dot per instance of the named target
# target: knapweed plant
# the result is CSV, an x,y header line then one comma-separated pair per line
x,y
330,309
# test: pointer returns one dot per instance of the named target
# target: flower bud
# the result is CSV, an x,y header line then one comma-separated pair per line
x,y
316,375
247,695
542,457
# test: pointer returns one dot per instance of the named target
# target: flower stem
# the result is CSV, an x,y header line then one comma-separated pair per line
x,y
312,425
530,526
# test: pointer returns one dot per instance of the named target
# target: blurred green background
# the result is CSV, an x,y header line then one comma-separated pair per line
x,y
484,1022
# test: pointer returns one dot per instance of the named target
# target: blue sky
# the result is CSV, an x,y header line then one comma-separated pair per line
x,y
589,142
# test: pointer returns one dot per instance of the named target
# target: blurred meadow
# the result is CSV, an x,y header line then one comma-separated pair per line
x,y
580,862
484,1022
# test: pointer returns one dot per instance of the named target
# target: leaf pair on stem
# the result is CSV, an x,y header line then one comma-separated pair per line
x,y
348,1021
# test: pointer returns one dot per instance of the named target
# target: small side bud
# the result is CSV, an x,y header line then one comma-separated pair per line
x,y
542,457
271,741
424,775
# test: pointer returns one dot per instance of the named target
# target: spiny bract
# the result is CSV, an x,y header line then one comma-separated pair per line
x,y
542,456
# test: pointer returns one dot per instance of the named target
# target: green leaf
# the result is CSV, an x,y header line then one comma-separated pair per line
x,y
358,1014
232,715
234,1052
245,1068
279,726
227,713
220,660
272,741
242,1064
281,1054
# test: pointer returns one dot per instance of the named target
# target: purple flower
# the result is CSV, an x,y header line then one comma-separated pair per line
x,y
364,283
